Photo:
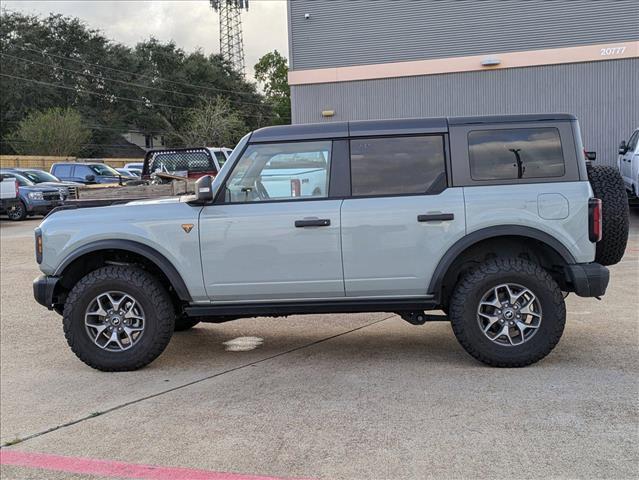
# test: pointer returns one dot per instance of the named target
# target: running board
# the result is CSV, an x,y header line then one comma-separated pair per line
x,y
309,307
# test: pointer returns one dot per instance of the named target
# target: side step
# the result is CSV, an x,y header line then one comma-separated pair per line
x,y
309,307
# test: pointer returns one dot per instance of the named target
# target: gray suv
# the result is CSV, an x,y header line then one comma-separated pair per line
x,y
490,219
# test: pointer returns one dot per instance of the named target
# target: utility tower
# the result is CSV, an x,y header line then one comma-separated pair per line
x,y
231,44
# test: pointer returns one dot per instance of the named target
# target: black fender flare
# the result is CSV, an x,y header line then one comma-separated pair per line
x,y
467,241
147,252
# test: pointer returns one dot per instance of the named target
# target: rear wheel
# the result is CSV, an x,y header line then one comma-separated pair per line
x,y
608,185
118,318
508,313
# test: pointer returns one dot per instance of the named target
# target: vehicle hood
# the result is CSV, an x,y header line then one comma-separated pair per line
x,y
155,201
60,184
38,188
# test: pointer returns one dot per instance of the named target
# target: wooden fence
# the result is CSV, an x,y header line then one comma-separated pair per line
x,y
44,163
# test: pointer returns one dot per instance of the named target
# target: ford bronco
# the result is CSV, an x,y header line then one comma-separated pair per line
x,y
492,220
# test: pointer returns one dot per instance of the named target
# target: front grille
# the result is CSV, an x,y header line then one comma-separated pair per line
x,y
72,192
51,196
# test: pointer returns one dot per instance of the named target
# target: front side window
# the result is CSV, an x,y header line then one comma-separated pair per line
x,y
104,170
515,153
398,166
280,171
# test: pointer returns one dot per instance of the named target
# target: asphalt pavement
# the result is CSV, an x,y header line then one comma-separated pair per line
x,y
362,396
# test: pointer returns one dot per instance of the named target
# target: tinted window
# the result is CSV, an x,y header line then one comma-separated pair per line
x,y
396,166
632,143
281,171
221,158
515,153
62,170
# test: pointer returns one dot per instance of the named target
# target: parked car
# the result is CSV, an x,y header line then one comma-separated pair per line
x,y
33,199
135,165
8,194
130,172
628,162
490,219
88,173
45,179
185,162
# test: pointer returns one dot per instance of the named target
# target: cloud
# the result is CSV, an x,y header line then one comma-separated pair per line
x,y
191,24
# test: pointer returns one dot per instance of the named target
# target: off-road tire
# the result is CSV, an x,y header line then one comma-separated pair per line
x,y
183,323
608,185
17,212
148,291
468,293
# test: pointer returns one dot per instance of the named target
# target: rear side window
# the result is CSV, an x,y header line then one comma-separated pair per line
x,y
397,166
516,153
62,170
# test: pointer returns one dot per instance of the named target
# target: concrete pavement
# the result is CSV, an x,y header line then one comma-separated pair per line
x,y
330,396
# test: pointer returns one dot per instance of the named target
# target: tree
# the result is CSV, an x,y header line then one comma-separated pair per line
x,y
214,123
272,72
58,61
57,131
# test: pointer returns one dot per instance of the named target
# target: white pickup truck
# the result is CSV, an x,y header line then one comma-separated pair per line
x,y
303,175
8,193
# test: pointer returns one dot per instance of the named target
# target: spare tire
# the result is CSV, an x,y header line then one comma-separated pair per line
x,y
608,186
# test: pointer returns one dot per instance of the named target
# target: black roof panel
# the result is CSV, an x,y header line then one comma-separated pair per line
x,y
402,126
309,131
529,117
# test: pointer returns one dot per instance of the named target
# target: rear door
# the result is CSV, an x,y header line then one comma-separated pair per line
x,y
272,244
401,216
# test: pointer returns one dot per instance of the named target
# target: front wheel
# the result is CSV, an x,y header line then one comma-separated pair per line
x,y
17,211
508,312
118,318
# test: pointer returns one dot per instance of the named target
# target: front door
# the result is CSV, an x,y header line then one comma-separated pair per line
x,y
271,238
401,217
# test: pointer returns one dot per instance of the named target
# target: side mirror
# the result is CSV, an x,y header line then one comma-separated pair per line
x,y
623,148
592,156
203,189
90,178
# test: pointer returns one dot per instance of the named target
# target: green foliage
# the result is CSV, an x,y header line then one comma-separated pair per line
x,y
272,72
58,61
214,123
57,131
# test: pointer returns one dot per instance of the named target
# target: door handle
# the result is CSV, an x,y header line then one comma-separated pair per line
x,y
436,217
315,222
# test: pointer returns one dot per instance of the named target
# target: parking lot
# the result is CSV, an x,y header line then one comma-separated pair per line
x,y
363,396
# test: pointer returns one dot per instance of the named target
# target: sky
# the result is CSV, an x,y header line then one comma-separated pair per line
x,y
191,24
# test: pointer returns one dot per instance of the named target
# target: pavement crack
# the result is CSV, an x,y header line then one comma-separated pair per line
x,y
188,384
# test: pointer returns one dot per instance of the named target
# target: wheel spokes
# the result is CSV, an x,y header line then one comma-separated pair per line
x,y
509,314
114,321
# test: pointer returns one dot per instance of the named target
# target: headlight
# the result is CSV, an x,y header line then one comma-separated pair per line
x,y
35,196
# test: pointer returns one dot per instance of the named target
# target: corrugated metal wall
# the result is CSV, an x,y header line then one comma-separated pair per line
x,y
357,32
604,96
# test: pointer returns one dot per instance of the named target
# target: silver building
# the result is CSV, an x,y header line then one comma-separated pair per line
x,y
367,59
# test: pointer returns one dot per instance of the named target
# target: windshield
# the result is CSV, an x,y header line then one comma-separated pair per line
x,y
104,170
39,176
22,181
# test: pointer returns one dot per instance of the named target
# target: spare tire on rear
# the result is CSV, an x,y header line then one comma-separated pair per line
x,y
608,186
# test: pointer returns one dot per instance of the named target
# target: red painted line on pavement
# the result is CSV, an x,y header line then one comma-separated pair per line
x,y
108,468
